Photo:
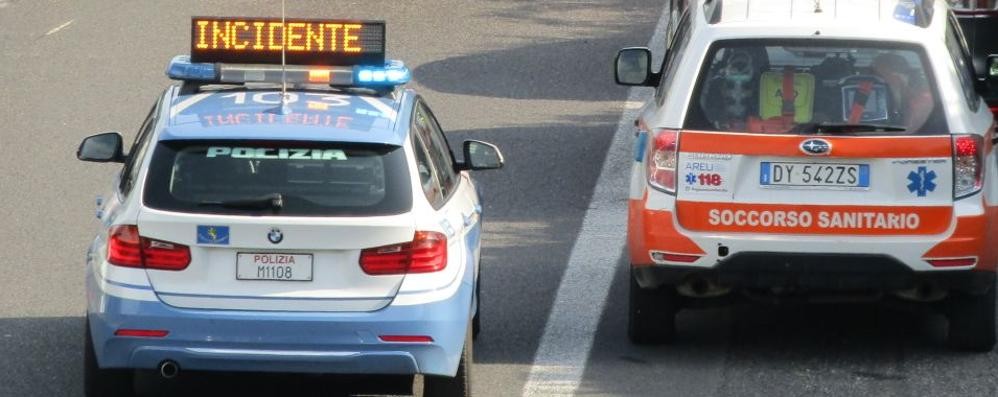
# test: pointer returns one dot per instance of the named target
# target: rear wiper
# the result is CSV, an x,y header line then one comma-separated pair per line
x,y
273,201
821,128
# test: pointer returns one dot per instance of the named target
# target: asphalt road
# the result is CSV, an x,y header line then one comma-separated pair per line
x,y
533,77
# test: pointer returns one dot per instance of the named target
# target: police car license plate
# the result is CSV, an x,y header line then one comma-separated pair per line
x,y
272,266
814,175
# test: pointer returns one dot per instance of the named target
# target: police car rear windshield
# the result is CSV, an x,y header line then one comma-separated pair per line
x,y
816,86
278,178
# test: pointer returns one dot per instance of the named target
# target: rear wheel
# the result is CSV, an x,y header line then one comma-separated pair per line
x,y
460,384
972,321
98,382
652,314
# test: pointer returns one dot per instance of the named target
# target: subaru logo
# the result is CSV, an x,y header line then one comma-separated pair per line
x,y
816,147
275,236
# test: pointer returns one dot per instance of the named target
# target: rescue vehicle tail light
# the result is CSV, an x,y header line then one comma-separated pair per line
x,y
967,165
954,262
663,156
426,253
392,73
127,248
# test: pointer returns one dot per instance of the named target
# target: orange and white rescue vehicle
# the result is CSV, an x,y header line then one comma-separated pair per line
x,y
813,150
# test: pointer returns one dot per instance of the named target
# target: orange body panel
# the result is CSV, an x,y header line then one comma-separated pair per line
x,y
654,230
814,219
845,147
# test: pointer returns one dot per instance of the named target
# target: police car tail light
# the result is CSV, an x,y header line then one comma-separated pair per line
x,y
124,246
162,255
662,160
425,254
967,165
128,249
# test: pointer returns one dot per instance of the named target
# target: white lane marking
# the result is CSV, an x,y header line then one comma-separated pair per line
x,y
60,27
560,360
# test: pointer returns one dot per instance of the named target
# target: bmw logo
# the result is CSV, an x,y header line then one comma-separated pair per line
x,y
275,236
816,147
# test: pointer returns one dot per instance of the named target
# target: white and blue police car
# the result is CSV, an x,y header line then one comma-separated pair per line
x,y
303,217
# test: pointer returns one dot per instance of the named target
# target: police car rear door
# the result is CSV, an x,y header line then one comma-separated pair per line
x,y
275,225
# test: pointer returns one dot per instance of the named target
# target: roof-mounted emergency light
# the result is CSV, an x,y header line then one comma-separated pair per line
x,y
392,73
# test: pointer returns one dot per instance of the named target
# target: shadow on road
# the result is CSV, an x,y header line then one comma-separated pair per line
x,y
762,349
43,357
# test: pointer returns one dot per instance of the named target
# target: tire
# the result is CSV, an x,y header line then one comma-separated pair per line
x,y
460,384
972,321
651,314
99,382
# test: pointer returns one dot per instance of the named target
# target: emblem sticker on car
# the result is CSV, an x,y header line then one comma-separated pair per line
x,y
217,235
275,235
816,147
922,181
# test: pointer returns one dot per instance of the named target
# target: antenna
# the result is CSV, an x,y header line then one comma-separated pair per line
x,y
284,62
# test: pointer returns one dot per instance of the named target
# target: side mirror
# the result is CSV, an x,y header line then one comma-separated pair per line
x,y
633,67
480,155
102,148
992,76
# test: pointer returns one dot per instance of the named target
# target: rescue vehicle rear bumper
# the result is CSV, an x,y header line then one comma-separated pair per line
x,y
831,272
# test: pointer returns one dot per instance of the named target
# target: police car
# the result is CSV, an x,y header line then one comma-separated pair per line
x,y
813,151
325,230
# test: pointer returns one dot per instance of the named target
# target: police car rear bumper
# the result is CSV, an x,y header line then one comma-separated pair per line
x,y
333,343
833,272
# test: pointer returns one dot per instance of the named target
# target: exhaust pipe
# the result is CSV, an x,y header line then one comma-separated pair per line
x,y
923,292
169,369
698,286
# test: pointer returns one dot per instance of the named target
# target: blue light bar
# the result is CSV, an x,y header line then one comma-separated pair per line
x,y
394,73
181,68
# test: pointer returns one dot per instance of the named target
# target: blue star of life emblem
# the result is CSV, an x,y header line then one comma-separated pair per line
x,y
921,181
691,178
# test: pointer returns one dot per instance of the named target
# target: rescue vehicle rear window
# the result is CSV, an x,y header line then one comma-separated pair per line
x,y
793,86
305,178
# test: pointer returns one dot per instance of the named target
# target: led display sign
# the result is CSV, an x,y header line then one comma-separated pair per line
x,y
304,41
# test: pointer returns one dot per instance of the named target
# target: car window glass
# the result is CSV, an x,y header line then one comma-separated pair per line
x,y
136,154
312,178
793,86
675,56
427,176
957,51
437,149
